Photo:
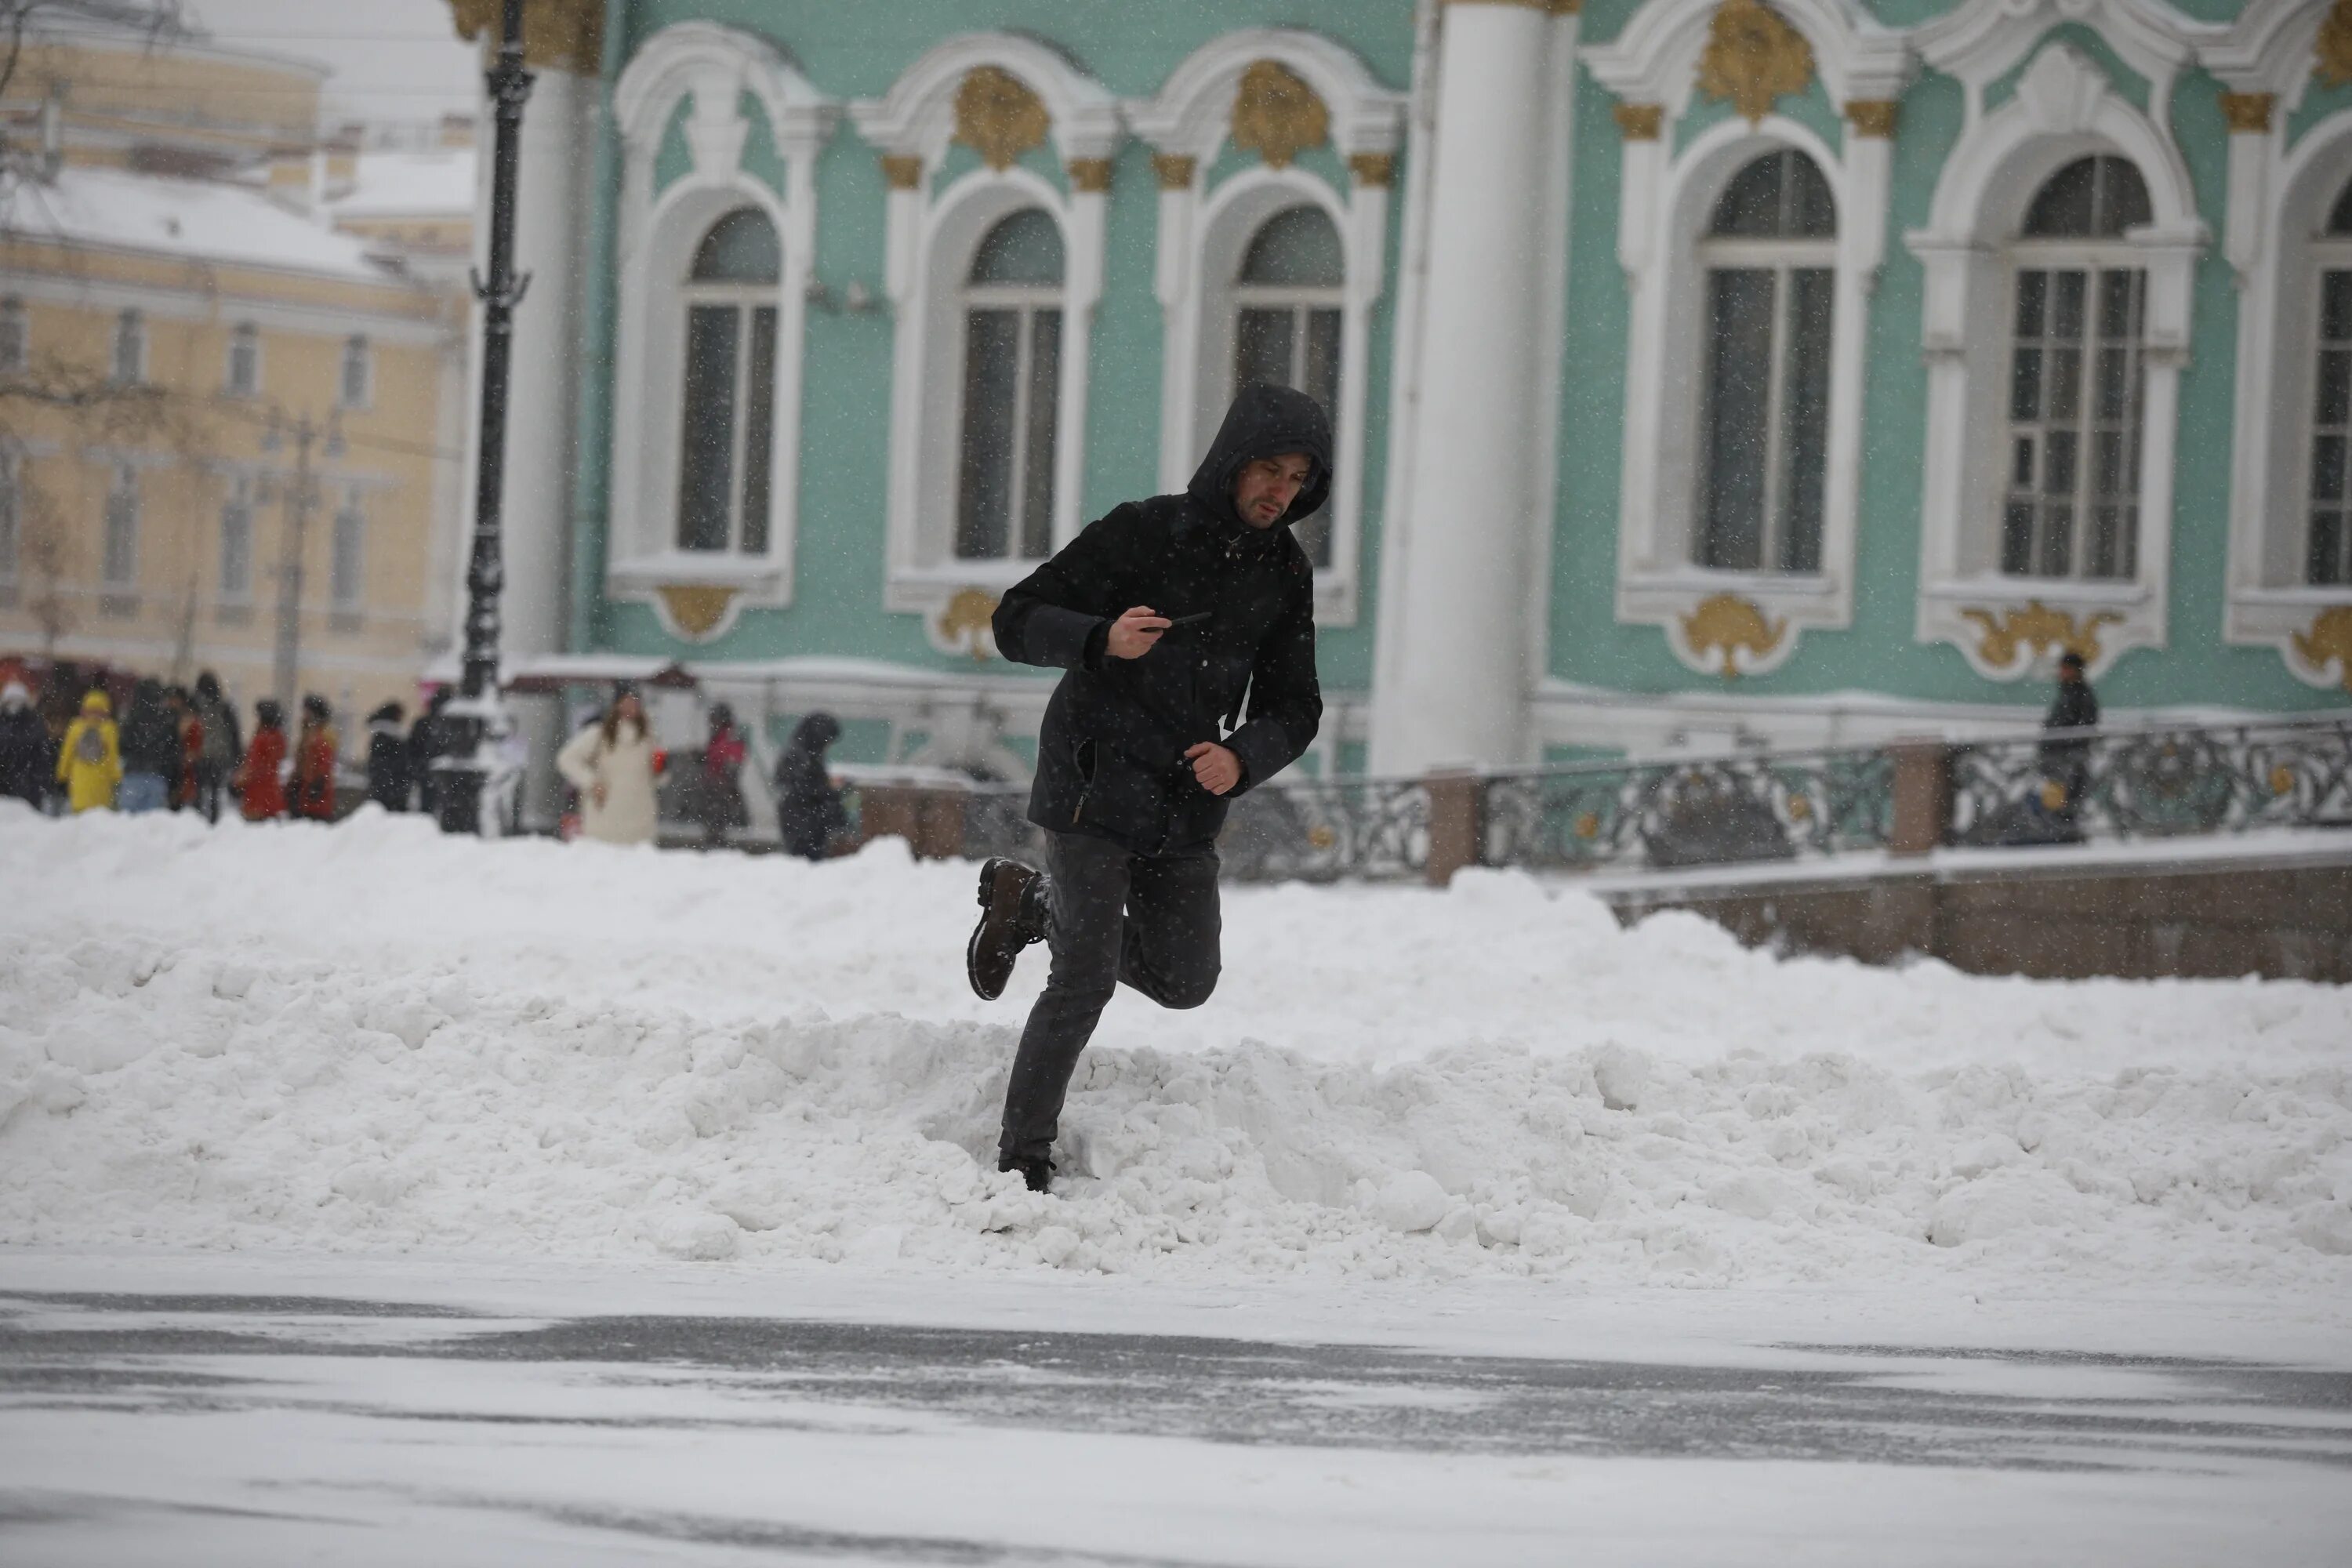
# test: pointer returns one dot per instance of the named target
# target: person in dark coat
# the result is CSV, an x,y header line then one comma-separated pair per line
x,y
2066,757
1161,615
718,788
808,807
150,750
387,765
223,745
424,743
26,760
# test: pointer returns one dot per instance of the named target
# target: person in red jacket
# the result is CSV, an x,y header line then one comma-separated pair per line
x,y
255,778
314,762
719,800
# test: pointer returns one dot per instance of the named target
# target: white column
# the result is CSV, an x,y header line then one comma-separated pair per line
x,y
1455,598
552,204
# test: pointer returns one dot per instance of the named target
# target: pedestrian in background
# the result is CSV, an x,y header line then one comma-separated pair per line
x,y
388,772
314,795
613,764
423,746
222,744
2066,757
150,750
719,800
259,786
89,761
808,807
25,763
191,732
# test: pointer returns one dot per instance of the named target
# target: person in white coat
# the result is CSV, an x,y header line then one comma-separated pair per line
x,y
612,764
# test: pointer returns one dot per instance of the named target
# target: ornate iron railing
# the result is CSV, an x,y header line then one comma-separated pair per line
x,y
2070,786
2046,788
1688,811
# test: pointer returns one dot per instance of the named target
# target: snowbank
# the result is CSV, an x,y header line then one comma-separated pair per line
x,y
370,1037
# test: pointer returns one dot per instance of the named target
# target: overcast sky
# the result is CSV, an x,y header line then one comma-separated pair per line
x,y
392,59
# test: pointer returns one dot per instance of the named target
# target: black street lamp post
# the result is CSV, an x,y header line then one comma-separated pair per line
x,y
474,723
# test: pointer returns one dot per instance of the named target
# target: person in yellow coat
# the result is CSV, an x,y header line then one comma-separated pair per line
x,y
89,762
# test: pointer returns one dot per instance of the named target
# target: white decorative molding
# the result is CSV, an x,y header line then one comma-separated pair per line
x,y
931,236
1665,200
2279,201
708,68
1203,231
1980,41
2064,108
1654,57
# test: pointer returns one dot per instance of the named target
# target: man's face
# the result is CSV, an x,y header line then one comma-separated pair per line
x,y
1266,487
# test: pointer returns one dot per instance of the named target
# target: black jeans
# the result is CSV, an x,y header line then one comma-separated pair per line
x,y
1148,919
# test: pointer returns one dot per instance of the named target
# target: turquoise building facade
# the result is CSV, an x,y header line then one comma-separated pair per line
x,y
1707,372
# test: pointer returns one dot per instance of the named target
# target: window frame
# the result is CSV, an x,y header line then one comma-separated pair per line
x,y
2330,253
1027,302
1780,257
240,495
129,345
15,335
2010,627
120,515
1300,301
748,299
12,514
245,337
1668,202
2095,261
698,73
347,549
358,353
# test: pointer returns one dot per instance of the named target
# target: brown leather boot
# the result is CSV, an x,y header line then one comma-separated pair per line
x,y
1012,915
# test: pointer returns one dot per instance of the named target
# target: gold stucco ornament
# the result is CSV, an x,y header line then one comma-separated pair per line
x,y
1276,114
998,117
697,609
2038,628
1753,59
564,35
1728,625
2330,637
968,621
2332,48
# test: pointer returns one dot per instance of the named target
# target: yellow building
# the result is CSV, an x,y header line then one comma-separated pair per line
x,y
228,429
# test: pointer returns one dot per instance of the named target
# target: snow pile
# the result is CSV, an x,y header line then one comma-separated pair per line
x,y
372,1037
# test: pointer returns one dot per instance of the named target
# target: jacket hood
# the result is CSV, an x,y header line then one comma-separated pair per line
x,y
95,702
815,733
1264,422
14,696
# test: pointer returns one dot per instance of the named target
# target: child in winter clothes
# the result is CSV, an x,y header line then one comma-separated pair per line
x,y
89,762
257,780
314,762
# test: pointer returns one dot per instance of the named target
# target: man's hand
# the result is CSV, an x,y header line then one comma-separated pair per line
x,y
1216,769
1135,633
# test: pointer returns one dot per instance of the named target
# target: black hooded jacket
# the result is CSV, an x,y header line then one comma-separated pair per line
x,y
1110,754
808,808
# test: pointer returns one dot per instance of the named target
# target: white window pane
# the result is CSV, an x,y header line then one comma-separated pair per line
x,y
344,570
1299,247
121,566
1805,418
236,544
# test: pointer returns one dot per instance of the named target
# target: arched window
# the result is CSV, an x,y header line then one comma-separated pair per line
x,y
1011,380
1287,305
1770,261
728,423
2327,554
2077,387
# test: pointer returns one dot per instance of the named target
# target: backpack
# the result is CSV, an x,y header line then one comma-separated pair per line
x,y
91,747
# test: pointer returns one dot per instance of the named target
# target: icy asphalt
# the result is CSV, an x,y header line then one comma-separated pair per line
x,y
213,1427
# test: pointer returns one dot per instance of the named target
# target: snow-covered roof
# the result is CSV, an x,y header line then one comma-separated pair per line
x,y
193,219
410,185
